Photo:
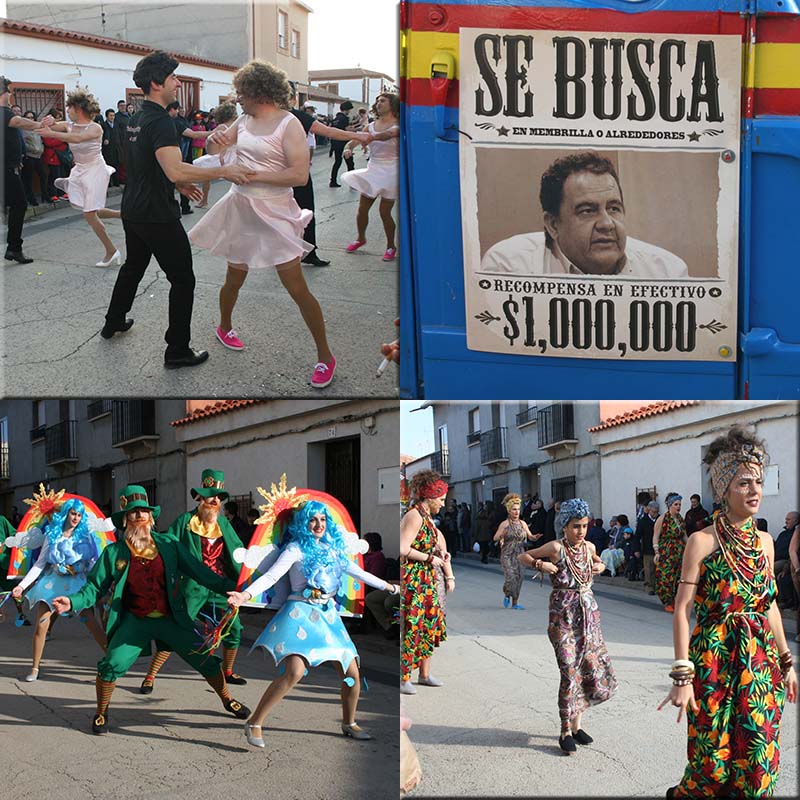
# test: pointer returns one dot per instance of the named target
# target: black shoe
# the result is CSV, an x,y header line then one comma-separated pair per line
x,y
33,202
567,744
335,185
147,686
237,709
109,330
188,211
191,358
581,737
314,260
671,792
18,256
235,679
100,723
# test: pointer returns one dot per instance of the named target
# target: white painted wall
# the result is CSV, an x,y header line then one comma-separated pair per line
x,y
107,73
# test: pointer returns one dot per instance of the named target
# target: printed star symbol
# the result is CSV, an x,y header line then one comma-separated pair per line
x,y
694,137
502,131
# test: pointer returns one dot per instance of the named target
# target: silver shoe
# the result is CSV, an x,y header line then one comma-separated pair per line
x,y
430,681
406,687
353,730
33,675
256,741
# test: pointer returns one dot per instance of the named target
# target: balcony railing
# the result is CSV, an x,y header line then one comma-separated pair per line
x,y
60,442
98,408
473,438
556,424
38,434
4,473
526,416
440,461
493,446
132,420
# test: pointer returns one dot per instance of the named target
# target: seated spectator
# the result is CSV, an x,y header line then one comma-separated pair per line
x,y
613,532
597,536
374,558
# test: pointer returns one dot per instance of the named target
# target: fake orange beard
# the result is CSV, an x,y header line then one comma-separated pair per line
x,y
208,514
138,534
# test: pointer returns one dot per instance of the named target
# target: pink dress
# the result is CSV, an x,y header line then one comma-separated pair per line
x,y
381,177
257,224
87,183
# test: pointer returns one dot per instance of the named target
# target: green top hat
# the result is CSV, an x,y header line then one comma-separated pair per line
x,y
133,497
213,481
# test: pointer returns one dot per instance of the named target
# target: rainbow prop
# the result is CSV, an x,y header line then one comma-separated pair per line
x,y
41,511
271,529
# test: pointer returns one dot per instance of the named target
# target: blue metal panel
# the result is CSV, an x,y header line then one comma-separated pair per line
x,y
770,314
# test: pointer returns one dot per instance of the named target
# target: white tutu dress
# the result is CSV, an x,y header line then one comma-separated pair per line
x,y
257,224
308,623
381,177
87,184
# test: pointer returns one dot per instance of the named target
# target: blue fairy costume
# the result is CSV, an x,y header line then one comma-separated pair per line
x,y
64,561
308,624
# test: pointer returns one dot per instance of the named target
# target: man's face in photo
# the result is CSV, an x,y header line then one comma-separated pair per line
x,y
121,107
590,226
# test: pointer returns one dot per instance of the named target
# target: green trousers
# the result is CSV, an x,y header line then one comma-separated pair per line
x,y
132,639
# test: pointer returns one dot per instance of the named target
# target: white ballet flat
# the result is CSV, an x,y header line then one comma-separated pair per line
x,y
115,259
256,741
33,675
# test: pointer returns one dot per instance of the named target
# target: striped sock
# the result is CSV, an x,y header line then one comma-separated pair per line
x,y
228,657
104,691
158,661
217,683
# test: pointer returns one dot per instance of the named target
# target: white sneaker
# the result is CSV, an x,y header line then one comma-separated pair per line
x,y
430,681
406,687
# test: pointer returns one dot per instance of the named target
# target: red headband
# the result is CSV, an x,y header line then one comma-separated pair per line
x,y
431,490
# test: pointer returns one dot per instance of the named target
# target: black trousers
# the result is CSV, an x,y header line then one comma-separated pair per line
x,y
29,166
16,204
338,148
304,195
168,242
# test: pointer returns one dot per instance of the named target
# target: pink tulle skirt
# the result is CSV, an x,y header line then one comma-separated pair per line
x,y
258,226
379,179
87,185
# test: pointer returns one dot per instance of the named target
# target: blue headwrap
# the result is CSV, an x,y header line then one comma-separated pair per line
x,y
323,559
570,509
672,497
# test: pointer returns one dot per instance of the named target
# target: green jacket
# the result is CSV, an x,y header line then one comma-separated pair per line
x,y
6,530
112,566
195,593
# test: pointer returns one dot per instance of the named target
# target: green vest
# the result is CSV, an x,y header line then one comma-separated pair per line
x,y
6,530
112,567
195,593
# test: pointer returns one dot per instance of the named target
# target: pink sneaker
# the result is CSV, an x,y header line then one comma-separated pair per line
x,y
390,254
353,246
323,374
230,339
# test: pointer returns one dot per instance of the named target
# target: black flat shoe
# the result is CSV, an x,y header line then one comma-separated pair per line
x,y
335,185
671,792
18,256
109,330
314,260
186,213
147,686
237,709
189,359
581,737
236,680
567,744
100,723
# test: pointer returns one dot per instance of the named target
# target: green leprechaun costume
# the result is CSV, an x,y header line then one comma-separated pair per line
x,y
146,569
6,531
209,537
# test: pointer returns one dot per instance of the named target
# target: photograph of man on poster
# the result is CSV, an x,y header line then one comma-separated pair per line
x,y
585,230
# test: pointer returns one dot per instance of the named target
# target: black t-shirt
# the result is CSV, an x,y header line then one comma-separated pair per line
x,y
13,140
306,120
180,126
149,194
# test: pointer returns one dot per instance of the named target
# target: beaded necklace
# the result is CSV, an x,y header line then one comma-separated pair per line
x,y
740,548
577,558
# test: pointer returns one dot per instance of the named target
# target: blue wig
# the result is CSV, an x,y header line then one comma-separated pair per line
x,y
55,527
329,551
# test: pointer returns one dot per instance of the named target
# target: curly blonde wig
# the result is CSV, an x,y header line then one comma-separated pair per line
x,y
85,101
259,80
512,499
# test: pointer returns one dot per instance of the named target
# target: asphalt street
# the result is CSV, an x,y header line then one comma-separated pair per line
x,y
53,310
179,743
492,729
